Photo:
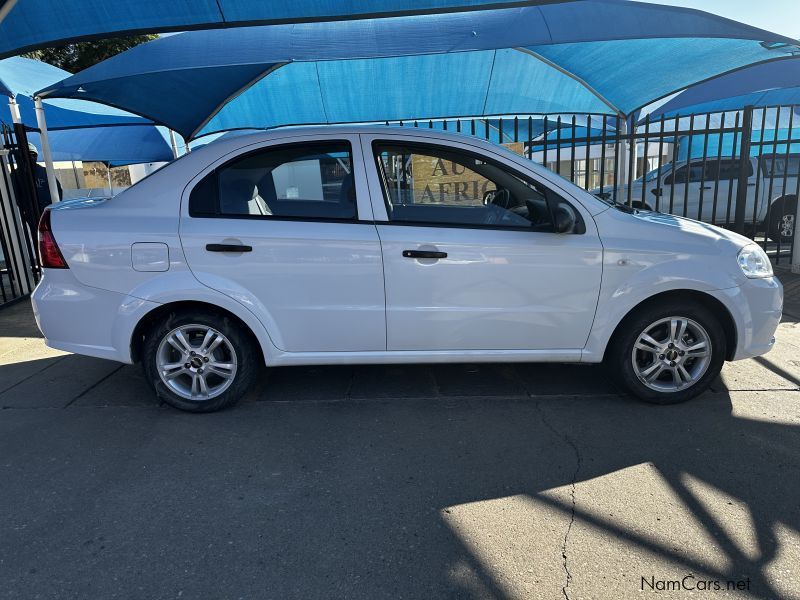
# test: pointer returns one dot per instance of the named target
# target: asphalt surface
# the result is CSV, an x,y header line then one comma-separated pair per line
x,y
461,481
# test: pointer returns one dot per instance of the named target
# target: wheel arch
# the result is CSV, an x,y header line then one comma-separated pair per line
x,y
161,311
708,301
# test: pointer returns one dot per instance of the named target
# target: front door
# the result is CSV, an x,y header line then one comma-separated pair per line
x,y
287,231
470,258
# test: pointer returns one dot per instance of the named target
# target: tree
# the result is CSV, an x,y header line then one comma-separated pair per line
x,y
81,55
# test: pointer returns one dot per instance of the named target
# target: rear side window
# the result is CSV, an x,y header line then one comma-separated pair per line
x,y
724,169
778,166
308,181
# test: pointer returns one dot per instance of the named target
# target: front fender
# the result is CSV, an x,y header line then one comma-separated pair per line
x,y
647,254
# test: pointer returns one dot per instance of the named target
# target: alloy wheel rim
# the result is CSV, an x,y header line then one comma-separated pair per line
x,y
786,226
671,354
197,362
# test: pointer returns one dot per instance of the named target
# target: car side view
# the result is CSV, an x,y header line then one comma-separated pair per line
x,y
386,245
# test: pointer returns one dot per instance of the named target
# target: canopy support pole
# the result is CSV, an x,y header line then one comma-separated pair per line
x,y
48,157
14,108
622,180
173,142
186,148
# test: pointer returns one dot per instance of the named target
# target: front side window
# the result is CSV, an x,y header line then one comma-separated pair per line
x,y
311,181
436,185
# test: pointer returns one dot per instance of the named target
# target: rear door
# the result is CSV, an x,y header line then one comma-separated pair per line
x,y
470,258
287,230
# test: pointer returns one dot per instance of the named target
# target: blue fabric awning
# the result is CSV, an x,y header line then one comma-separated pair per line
x,y
770,84
116,146
79,130
38,23
21,77
588,56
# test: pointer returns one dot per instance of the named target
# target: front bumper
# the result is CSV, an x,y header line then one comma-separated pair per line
x,y
756,307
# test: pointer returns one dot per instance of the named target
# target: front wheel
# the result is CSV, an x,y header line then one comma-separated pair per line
x,y
667,353
199,362
783,215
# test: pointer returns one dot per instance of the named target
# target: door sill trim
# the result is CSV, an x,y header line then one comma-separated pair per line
x,y
425,356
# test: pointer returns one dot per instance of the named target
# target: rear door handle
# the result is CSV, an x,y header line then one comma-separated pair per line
x,y
228,248
423,254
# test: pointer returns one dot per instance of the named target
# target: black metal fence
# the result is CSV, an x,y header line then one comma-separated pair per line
x,y
739,169
19,213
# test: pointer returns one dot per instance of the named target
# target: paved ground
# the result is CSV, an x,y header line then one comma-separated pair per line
x,y
395,482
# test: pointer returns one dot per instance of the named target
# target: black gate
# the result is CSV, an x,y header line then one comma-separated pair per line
x,y
685,165
19,264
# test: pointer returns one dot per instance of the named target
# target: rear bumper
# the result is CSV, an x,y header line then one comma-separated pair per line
x,y
756,307
86,320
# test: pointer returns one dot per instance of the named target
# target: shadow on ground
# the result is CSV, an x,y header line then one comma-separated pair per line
x,y
324,490
390,481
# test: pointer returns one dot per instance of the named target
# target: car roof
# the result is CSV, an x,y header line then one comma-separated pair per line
x,y
348,130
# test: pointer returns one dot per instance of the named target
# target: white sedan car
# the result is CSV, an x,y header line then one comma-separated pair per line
x,y
389,245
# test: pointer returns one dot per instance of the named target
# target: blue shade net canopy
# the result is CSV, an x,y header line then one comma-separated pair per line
x,y
776,83
29,24
589,56
79,130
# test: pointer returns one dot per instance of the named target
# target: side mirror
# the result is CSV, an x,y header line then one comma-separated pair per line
x,y
656,192
565,219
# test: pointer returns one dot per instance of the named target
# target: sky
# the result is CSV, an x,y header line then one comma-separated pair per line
x,y
780,16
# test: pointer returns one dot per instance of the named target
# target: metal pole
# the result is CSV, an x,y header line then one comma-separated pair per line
x,y
186,148
14,108
634,156
744,171
623,157
48,158
173,142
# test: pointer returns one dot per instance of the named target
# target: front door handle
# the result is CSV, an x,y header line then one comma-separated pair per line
x,y
228,248
423,254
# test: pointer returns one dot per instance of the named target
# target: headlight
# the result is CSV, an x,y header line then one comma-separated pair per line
x,y
754,262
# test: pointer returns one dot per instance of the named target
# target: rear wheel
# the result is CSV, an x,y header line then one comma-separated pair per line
x,y
667,353
782,219
199,362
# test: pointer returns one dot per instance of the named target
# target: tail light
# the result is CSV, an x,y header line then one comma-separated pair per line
x,y
48,248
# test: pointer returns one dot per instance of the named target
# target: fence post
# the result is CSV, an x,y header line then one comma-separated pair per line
x,y
744,171
19,260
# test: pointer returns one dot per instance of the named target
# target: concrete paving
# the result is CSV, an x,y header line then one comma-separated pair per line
x,y
453,481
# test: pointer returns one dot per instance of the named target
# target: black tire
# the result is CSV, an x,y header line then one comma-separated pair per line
x,y
239,341
782,217
619,359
